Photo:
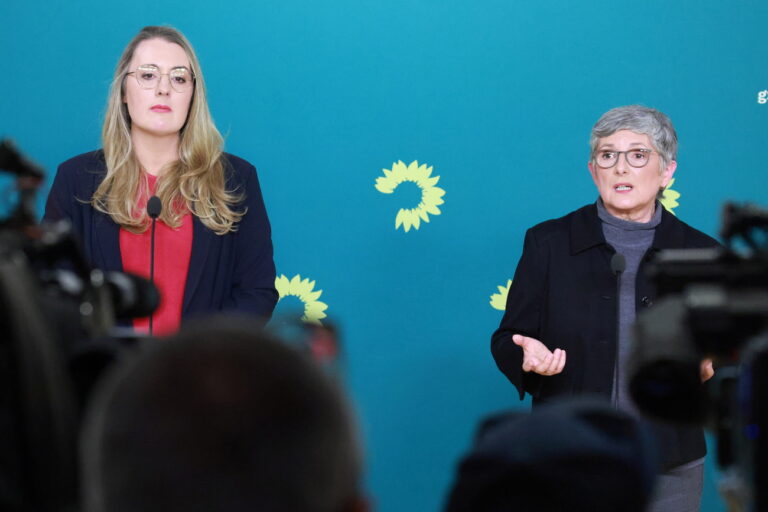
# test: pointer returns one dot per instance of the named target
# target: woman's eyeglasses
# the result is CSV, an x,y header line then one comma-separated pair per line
x,y
149,76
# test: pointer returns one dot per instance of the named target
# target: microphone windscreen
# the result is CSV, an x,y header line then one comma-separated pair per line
x,y
618,263
154,207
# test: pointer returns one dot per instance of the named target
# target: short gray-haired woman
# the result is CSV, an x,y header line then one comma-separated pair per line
x,y
565,330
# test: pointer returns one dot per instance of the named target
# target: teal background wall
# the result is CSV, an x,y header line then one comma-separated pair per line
x,y
498,97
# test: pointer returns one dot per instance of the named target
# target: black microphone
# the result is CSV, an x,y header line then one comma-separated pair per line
x,y
154,207
618,265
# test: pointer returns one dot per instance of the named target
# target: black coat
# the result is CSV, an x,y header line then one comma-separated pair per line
x,y
564,294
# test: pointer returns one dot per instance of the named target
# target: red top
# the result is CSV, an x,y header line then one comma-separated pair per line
x,y
173,248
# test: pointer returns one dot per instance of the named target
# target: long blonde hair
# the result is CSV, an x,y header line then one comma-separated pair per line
x,y
195,182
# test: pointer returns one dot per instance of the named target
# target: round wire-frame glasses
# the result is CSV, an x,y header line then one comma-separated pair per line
x,y
149,76
607,158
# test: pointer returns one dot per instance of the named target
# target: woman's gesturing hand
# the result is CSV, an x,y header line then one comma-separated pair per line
x,y
538,358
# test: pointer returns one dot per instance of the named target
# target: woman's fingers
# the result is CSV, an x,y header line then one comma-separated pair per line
x,y
525,342
561,362
531,346
530,364
543,368
538,358
554,364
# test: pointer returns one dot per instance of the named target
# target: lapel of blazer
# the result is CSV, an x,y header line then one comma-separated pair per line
x,y
105,246
201,244
669,232
586,231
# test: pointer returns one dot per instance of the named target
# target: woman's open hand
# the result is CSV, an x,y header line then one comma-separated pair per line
x,y
538,358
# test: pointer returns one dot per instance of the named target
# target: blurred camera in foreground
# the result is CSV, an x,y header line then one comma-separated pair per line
x,y
713,303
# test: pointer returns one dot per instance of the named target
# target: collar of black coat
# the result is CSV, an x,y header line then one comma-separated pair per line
x,y
586,231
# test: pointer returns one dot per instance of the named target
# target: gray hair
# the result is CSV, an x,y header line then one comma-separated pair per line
x,y
639,119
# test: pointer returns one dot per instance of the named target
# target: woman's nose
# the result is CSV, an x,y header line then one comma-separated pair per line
x,y
622,164
163,87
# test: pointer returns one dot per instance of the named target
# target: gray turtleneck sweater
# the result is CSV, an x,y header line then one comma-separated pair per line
x,y
680,489
632,240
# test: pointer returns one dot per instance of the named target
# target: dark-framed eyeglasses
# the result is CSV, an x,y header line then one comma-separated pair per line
x,y
607,158
149,76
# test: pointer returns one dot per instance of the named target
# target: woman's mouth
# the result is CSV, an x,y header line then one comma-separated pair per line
x,y
622,187
160,108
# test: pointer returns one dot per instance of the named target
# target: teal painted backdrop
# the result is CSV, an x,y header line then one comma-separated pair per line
x,y
496,98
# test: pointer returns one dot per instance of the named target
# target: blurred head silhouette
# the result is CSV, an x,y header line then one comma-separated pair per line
x,y
571,456
220,417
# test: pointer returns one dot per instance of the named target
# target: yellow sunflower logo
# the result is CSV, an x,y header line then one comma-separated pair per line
x,y
304,289
669,197
499,300
431,196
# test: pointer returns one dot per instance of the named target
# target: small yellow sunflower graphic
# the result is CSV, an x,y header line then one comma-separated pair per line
x,y
499,300
431,196
669,197
304,290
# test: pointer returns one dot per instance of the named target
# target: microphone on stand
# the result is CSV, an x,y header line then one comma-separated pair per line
x,y
618,265
154,207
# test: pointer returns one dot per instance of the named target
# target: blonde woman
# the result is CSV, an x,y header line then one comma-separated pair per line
x,y
213,248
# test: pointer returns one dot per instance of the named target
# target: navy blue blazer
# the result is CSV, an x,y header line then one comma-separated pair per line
x,y
563,294
231,272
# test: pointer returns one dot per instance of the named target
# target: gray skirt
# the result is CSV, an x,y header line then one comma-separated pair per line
x,y
679,490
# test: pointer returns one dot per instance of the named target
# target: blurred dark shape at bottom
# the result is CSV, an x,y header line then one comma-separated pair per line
x,y
222,417
574,456
58,321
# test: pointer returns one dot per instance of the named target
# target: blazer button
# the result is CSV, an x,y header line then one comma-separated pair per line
x,y
647,302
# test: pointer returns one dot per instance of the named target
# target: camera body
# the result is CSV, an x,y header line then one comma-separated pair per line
x,y
712,303
60,323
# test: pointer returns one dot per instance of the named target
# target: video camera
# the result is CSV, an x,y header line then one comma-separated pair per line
x,y
59,318
713,303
